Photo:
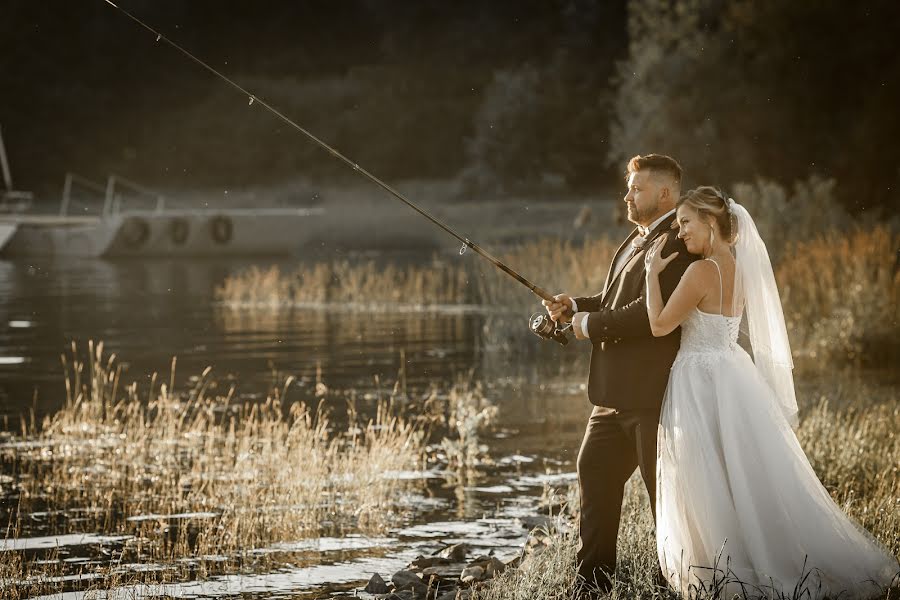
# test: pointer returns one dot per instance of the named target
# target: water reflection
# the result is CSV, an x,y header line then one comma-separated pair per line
x,y
148,311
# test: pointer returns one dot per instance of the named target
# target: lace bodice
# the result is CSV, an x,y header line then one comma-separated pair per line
x,y
708,334
704,333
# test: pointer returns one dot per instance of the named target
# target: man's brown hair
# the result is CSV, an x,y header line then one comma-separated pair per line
x,y
659,163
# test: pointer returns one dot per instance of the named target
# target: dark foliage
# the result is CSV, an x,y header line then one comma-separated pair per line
x,y
537,95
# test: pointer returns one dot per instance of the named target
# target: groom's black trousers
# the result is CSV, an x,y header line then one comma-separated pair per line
x,y
615,443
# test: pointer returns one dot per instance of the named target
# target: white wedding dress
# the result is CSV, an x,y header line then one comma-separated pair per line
x,y
738,504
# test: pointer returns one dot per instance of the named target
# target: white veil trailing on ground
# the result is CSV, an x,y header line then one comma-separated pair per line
x,y
755,290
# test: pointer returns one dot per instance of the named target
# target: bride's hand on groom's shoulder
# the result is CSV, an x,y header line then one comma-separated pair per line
x,y
653,261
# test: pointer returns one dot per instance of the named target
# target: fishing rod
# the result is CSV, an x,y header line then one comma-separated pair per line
x,y
539,323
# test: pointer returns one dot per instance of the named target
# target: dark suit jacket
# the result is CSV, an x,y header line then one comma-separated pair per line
x,y
630,367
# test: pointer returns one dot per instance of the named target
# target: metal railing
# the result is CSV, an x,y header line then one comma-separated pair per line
x,y
112,203
112,199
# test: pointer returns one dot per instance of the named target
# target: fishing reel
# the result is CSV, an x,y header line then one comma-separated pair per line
x,y
544,327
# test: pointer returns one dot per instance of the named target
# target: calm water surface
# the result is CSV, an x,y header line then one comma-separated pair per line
x,y
149,311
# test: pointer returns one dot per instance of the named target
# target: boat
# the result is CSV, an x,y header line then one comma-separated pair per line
x,y
114,231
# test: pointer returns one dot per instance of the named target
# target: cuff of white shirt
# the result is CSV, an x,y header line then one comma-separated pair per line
x,y
584,328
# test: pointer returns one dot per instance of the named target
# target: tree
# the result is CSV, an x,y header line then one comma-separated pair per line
x,y
738,89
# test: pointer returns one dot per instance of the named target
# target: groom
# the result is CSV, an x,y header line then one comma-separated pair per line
x,y
629,367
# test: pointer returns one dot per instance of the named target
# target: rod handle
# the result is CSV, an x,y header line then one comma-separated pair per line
x,y
542,294
545,295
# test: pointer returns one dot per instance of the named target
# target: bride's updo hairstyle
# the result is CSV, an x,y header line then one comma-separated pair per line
x,y
711,203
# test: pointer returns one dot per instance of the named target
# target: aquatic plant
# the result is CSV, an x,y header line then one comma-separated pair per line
x,y
365,285
470,413
195,472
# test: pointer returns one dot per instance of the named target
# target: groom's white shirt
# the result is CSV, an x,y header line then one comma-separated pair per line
x,y
620,262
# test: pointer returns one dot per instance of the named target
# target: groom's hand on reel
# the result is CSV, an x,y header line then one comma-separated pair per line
x,y
560,309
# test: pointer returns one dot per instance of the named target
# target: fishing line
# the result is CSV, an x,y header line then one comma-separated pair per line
x,y
254,99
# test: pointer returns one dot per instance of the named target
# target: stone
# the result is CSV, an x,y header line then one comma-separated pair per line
x,y
471,574
514,562
424,562
494,567
408,580
528,562
456,552
449,570
377,585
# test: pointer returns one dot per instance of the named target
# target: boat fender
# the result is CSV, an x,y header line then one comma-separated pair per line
x,y
135,231
179,228
221,229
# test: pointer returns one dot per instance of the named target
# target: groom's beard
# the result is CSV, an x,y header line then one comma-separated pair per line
x,y
642,217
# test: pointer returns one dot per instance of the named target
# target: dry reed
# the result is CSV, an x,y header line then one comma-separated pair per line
x,y
556,262
841,296
556,265
245,474
366,285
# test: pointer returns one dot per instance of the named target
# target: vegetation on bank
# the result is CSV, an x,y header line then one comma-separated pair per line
x,y
196,482
854,450
197,473
366,285
840,290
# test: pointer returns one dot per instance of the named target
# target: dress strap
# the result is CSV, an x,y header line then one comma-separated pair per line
x,y
721,292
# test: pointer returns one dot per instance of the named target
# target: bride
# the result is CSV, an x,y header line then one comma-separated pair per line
x,y
738,505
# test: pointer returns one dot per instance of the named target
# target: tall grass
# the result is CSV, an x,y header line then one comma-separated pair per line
x,y
854,450
841,296
246,474
362,285
555,265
